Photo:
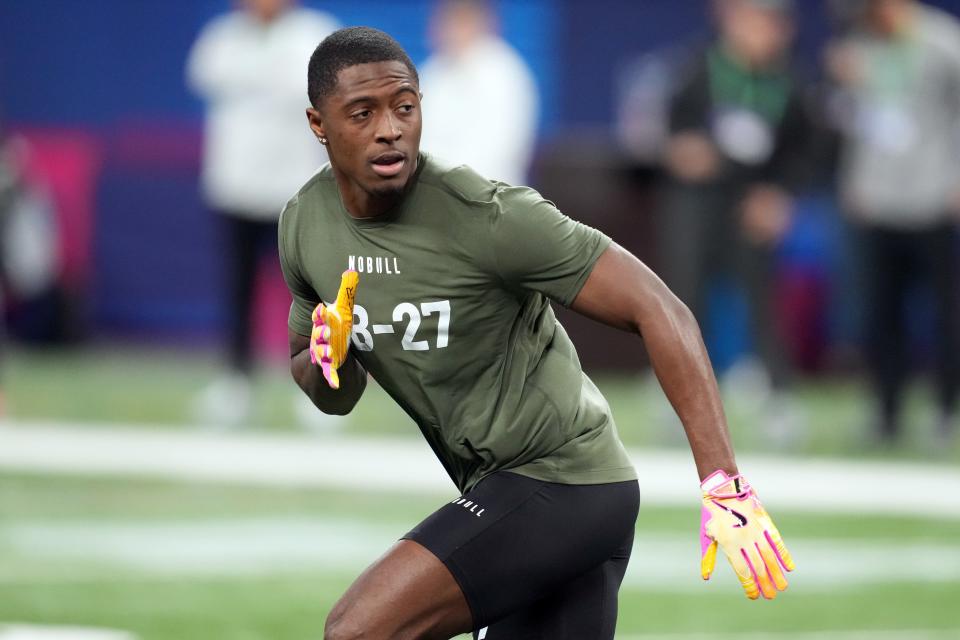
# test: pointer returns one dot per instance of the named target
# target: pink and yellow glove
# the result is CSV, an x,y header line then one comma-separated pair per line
x,y
733,518
332,323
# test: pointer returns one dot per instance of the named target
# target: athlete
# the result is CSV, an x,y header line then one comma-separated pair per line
x,y
438,284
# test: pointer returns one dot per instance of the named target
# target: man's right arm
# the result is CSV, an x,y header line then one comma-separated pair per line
x,y
353,378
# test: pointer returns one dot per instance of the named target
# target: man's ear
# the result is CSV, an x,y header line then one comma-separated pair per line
x,y
315,120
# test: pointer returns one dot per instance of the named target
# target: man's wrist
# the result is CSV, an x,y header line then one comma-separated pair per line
x,y
716,479
721,484
711,469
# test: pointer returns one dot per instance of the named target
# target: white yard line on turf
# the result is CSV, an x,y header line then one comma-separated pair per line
x,y
90,550
407,465
46,632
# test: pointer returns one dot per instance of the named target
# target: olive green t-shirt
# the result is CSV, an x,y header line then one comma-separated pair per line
x,y
453,319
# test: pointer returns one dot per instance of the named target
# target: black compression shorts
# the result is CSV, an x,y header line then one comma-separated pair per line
x,y
536,559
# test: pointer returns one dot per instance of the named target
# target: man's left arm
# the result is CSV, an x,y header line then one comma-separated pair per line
x,y
624,293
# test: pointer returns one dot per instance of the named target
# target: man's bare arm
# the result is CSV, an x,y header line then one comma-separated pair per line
x,y
353,378
622,292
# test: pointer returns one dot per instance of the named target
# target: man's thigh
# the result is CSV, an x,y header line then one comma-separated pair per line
x,y
513,541
408,594
586,607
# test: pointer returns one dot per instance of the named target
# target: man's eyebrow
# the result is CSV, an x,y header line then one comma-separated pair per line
x,y
366,98
406,89
358,100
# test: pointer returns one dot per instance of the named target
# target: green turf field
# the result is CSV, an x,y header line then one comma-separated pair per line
x,y
170,560
157,387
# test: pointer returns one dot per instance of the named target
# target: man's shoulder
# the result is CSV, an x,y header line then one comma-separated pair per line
x,y
932,17
940,29
457,181
226,24
463,184
313,21
313,191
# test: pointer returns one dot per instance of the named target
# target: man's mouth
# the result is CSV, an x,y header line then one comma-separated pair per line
x,y
388,164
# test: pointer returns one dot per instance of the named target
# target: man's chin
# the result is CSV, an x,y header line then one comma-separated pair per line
x,y
391,189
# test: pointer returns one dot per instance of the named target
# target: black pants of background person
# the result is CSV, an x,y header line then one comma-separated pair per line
x,y
895,262
250,239
701,239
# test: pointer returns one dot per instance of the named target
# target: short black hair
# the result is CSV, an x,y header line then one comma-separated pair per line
x,y
344,48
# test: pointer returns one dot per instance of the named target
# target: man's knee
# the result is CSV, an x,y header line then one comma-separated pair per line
x,y
355,620
406,594
342,626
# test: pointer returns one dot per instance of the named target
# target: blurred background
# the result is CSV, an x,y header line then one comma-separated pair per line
x,y
789,168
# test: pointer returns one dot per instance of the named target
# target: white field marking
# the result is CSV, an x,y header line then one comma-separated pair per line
x,y
827,634
38,632
91,550
290,460
406,465
220,547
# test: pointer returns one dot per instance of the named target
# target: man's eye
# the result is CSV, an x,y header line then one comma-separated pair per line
x,y
405,108
360,115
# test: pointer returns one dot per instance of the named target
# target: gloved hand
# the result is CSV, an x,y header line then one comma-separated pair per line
x,y
332,323
733,518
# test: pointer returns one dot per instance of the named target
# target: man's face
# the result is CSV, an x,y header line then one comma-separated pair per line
x,y
759,33
886,17
265,10
454,27
372,124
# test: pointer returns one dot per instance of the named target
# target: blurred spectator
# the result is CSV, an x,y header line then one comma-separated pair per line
x,y
479,98
738,147
28,244
899,78
8,183
250,66
644,87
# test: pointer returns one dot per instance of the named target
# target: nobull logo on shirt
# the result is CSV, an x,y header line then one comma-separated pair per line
x,y
470,505
387,265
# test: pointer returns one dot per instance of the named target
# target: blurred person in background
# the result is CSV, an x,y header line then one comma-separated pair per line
x,y
249,67
475,75
898,73
737,150
8,188
29,256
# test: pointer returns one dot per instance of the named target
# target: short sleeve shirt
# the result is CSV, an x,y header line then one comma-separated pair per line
x,y
453,319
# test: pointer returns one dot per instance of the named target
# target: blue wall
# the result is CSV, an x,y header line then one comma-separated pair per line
x,y
112,67
115,69
91,62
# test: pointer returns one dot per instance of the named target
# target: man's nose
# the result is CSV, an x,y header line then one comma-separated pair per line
x,y
388,128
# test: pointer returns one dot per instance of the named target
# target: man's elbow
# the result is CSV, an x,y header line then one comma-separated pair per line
x,y
338,408
668,310
334,402
680,311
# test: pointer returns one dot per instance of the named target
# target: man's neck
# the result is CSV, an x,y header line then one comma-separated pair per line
x,y
267,18
900,24
745,61
362,204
